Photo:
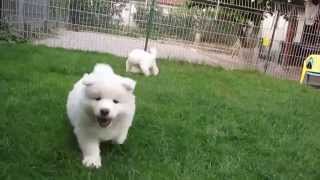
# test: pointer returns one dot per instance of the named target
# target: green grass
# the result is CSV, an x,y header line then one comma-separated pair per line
x,y
192,122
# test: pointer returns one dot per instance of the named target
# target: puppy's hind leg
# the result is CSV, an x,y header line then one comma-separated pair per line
x,y
128,66
155,70
135,69
90,150
145,69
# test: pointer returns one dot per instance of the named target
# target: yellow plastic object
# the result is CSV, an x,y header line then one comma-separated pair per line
x,y
265,41
311,67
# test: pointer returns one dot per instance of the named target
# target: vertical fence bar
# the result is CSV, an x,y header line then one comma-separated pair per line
x,y
271,42
149,27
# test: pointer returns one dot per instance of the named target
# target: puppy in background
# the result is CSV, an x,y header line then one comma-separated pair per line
x,y
100,107
142,61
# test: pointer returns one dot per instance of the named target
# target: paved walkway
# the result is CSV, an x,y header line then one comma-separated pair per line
x,y
122,45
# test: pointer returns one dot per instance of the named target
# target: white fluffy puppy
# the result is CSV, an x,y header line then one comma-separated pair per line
x,y
142,61
100,107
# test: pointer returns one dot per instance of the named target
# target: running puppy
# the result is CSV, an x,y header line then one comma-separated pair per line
x,y
100,107
142,61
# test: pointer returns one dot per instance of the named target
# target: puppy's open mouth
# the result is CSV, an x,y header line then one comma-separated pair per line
x,y
104,121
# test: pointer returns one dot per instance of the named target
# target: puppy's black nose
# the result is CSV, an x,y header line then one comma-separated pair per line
x,y
104,112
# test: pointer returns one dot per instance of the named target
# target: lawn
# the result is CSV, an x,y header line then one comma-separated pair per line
x,y
192,122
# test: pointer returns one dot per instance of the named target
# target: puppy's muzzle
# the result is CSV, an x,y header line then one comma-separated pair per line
x,y
104,112
103,119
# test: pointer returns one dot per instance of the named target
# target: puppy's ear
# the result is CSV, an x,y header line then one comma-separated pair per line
x,y
87,79
128,84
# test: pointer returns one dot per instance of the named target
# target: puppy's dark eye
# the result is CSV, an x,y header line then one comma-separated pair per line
x,y
115,101
98,98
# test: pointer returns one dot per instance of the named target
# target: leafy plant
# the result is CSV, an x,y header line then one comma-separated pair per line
x,y
7,35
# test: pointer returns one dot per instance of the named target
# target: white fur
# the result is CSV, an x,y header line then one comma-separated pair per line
x,y
142,61
94,92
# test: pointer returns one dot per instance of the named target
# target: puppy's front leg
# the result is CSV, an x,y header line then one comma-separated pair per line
x,y
122,136
90,150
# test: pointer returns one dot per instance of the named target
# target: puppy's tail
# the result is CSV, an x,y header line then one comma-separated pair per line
x,y
102,68
153,52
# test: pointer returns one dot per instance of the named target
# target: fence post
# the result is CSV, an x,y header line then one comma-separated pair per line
x,y
129,23
271,42
45,12
1,11
217,10
149,27
20,16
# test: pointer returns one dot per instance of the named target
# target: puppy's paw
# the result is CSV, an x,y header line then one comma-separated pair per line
x,y
92,161
156,73
119,140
